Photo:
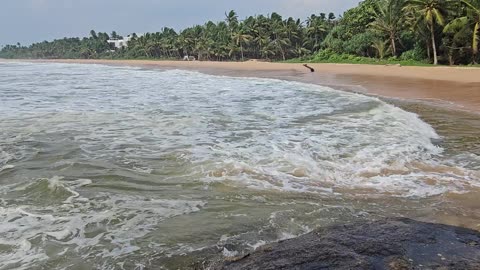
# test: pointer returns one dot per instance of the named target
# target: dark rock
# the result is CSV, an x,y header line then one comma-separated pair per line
x,y
394,244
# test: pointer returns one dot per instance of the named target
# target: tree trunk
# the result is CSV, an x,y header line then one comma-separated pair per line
x,y
241,50
476,29
434,46
283,53
394,47
428,51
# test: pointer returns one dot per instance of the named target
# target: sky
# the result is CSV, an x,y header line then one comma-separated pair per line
x,y
28,21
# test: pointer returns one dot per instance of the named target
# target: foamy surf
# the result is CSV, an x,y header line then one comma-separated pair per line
x,y
106,225
103,166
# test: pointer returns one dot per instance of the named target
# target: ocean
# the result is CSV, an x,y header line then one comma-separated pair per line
x,y
106,167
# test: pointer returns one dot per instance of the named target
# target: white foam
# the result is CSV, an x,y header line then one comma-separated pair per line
x,y
134,218
229,254
6,167
261,132
186,127
258,245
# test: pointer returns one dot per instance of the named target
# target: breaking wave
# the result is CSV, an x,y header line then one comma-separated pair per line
x,y
94,159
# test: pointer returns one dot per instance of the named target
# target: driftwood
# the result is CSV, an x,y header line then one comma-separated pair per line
x,y
311,69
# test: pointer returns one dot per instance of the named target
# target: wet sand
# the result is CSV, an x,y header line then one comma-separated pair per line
x,y
453,87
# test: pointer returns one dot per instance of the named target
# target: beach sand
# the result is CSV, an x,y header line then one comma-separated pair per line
x,y
453,87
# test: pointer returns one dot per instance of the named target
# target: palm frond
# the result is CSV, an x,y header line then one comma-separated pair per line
x,y
456,25
476,38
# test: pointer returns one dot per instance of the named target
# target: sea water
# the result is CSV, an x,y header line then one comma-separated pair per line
x,y
129,168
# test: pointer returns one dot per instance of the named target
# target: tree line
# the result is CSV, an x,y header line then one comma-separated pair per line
x,y
430,31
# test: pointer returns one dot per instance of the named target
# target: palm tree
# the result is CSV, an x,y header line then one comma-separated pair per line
x,y
432,12
281,43
389,16
232,20
93,34
279,30
300,51
114,35
143,44
315,31
266,52
381,48
240,38
472,19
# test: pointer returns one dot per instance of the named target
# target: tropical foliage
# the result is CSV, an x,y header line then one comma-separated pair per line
x,y
431,31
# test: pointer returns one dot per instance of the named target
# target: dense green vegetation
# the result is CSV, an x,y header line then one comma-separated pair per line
x,y
376,31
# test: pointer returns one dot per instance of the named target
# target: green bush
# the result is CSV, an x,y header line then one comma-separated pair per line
x,y
329,56
360,44
324,55
417,54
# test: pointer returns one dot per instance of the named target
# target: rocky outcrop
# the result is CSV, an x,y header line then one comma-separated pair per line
x,y
389,244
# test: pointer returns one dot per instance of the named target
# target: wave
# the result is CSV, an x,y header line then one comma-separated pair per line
x,y
103,225
139,148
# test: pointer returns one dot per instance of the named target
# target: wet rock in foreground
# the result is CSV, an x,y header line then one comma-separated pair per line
x,y
388,244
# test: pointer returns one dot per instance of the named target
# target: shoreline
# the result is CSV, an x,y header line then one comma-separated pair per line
x,y
455,88
414,234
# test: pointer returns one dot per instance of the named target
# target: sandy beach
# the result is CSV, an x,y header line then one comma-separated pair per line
x,y
454,87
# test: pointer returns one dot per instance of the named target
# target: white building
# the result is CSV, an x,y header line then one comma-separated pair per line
x,y
119,43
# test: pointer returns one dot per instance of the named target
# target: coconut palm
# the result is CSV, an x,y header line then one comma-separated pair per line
x,y
432,12
316,30
232,20
300,51
472,19
389,17
381,48
240,39
144,45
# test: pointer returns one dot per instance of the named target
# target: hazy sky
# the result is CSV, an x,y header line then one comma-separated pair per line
x,y
28,21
